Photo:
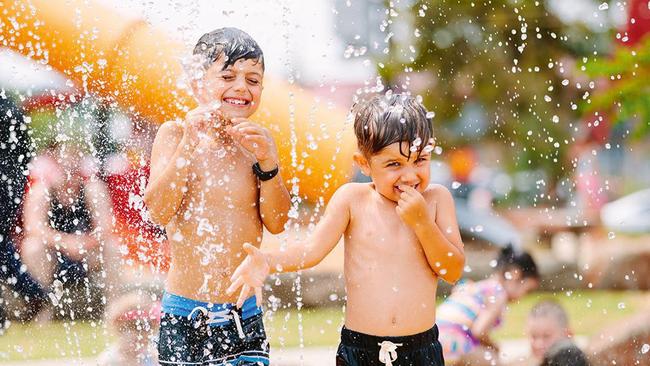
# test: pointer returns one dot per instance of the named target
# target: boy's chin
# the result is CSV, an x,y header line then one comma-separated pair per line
x,y
390,195
231,113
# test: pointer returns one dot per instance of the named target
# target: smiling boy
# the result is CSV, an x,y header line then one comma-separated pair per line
x,y
215,184
400,236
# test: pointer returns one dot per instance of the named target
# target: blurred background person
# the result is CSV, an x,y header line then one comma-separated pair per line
x,y
68,221
134,318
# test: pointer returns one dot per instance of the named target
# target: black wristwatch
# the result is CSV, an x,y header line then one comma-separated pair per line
x,y
262,175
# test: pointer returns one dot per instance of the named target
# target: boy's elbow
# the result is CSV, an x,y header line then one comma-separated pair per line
x,y
455,270
159,217
157,214
276,224
275,229
452,277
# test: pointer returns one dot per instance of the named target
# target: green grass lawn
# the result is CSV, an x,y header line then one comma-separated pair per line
x,y
313,327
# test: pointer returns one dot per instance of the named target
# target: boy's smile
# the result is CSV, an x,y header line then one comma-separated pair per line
x,y
391,171
238,87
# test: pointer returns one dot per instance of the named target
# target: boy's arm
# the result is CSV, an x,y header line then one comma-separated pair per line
x,y
436,230
252,272
170,156
170,160
275,201
37,226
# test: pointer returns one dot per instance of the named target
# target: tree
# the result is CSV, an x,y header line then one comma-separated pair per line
x,y
516,59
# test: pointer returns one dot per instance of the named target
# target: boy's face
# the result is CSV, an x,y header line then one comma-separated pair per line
x,y
391,170
543,332
238,88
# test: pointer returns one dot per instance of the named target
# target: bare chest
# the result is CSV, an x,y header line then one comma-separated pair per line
x,y
377,231
222,176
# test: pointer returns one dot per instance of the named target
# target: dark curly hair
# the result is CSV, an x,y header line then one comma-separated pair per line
x,y
232,43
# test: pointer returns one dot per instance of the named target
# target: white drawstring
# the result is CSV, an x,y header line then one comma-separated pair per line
x,y
220,316
388,352
240,330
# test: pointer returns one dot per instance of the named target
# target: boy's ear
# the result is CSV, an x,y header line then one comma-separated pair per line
x,y
362,163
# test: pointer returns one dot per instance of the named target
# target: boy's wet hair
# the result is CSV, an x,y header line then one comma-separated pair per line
x,y
509,258
231,43
550,309
384,120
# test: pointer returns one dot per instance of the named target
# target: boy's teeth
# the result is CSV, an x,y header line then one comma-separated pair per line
x,y
236,101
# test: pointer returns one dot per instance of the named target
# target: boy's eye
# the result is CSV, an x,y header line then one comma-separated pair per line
x,y
253,81
392,164
227,77
420,160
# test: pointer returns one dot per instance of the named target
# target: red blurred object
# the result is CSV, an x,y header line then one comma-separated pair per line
x,y
638,21
145,242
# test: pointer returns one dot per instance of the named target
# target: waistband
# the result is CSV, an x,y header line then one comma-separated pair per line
x,y
182,306
411,342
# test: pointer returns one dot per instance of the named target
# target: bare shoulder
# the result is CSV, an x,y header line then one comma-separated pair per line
x,y
170,130
168,137
438,193
348,192
353,190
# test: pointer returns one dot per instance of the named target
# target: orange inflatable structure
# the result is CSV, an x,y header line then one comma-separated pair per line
x,y
138,67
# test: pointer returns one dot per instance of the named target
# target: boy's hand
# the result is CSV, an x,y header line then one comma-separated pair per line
x,y
412,208
251,273
200,121
257,140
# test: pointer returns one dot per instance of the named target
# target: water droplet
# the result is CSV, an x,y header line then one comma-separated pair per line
x,y
556,119
611,235
621,305
646,347
603,6
221,153
493,263
455,185
431,114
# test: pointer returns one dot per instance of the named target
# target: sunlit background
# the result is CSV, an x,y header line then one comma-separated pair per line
x,y
541,111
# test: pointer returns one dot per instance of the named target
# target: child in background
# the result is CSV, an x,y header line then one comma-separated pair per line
x,y
134,318
546,325
400,236
474,309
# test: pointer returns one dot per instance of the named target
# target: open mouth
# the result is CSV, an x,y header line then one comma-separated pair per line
x,y
238,102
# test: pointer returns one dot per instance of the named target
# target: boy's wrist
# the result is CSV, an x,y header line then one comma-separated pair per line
x,y
268,165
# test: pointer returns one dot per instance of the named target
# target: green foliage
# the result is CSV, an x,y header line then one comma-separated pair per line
x,y
512,57
624,92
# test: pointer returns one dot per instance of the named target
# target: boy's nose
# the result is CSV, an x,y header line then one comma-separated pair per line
x,y
240,84
409,177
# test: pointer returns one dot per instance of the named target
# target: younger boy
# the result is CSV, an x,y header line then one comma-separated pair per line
x,y
400,236
547,324
214,184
